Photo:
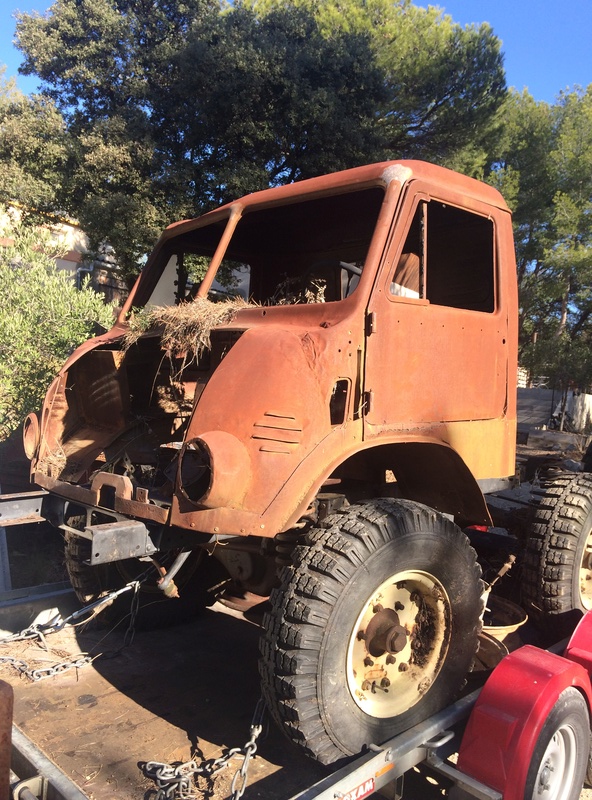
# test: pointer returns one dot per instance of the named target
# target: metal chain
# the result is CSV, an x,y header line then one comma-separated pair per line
x,y
38,631
238,788
41,673
175,782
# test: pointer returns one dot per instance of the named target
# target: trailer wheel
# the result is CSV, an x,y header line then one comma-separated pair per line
x,y
559,762
372,629
557,573
91,583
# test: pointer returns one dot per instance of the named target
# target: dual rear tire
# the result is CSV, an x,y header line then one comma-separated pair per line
x,y
557,569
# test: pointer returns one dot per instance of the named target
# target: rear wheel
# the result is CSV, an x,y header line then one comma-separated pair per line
x,y
373,628
557,573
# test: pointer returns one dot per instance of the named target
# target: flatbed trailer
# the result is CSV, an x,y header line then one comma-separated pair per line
x,y
33,775
499,731
504,735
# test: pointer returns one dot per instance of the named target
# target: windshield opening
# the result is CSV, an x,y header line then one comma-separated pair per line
x,y
311,251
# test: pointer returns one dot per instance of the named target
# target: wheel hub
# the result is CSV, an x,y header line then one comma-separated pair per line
x,y
398,644
555,777
385,633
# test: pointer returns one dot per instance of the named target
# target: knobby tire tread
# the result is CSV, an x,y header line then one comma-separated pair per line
x,y
302,604
550,556
85,581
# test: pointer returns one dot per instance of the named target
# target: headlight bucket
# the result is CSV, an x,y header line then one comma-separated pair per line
x,y
214,470
31,435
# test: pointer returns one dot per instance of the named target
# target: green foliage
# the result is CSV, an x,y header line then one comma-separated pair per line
x,y
442,83
42,318
173,108
33,150
544,169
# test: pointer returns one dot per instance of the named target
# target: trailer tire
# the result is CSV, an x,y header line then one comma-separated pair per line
x,y
560,758
557,568
373,628
194,580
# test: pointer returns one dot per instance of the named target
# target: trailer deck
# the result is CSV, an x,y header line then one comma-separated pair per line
x,y
169,695
164,697
176,694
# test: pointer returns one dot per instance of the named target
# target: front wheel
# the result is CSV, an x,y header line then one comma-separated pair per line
x,y
560,757
373,628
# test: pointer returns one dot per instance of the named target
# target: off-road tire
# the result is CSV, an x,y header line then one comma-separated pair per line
x,y
557,565
559,762
311,636
89,583
194,580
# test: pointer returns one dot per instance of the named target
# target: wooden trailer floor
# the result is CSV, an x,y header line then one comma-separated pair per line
x,y
169,696
172,694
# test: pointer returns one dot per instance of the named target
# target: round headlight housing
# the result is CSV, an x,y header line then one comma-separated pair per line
x,y
31,435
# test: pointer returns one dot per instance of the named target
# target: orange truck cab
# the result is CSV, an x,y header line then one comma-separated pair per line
x,y
323,445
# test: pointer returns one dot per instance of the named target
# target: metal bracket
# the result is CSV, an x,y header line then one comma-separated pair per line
x,y
116,541
23,508
472,787
31,787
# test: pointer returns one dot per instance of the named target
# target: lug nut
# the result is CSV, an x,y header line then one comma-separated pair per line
x,y
385,683
399,606
361,635
390,659
403,667
368,662
376,608
366,686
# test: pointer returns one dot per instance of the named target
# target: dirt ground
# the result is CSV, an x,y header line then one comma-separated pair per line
x,y
188,691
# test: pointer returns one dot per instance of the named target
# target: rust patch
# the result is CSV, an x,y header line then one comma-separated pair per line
x,y
424,633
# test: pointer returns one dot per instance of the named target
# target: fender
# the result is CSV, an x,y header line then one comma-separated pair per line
x,y
502,732
579,648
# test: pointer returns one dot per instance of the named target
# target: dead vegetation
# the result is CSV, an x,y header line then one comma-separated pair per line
x,y
184,329
291,291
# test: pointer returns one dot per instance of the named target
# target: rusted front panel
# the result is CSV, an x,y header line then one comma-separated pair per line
x,y
272,397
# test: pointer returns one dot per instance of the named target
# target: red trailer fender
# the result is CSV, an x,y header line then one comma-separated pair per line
x,y
579,648
500,737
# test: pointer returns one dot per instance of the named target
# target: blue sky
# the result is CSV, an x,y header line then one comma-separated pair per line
x,y
547,44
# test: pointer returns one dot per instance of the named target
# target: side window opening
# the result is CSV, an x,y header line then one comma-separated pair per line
x,y
448,259
459,263
407,279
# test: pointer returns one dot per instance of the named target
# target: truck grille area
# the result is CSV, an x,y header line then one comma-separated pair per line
x,y
126,413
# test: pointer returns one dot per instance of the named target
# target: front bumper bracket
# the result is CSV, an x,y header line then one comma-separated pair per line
x,y
116,541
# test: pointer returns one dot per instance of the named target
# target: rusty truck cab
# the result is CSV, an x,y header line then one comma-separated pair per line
x,y
376,353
